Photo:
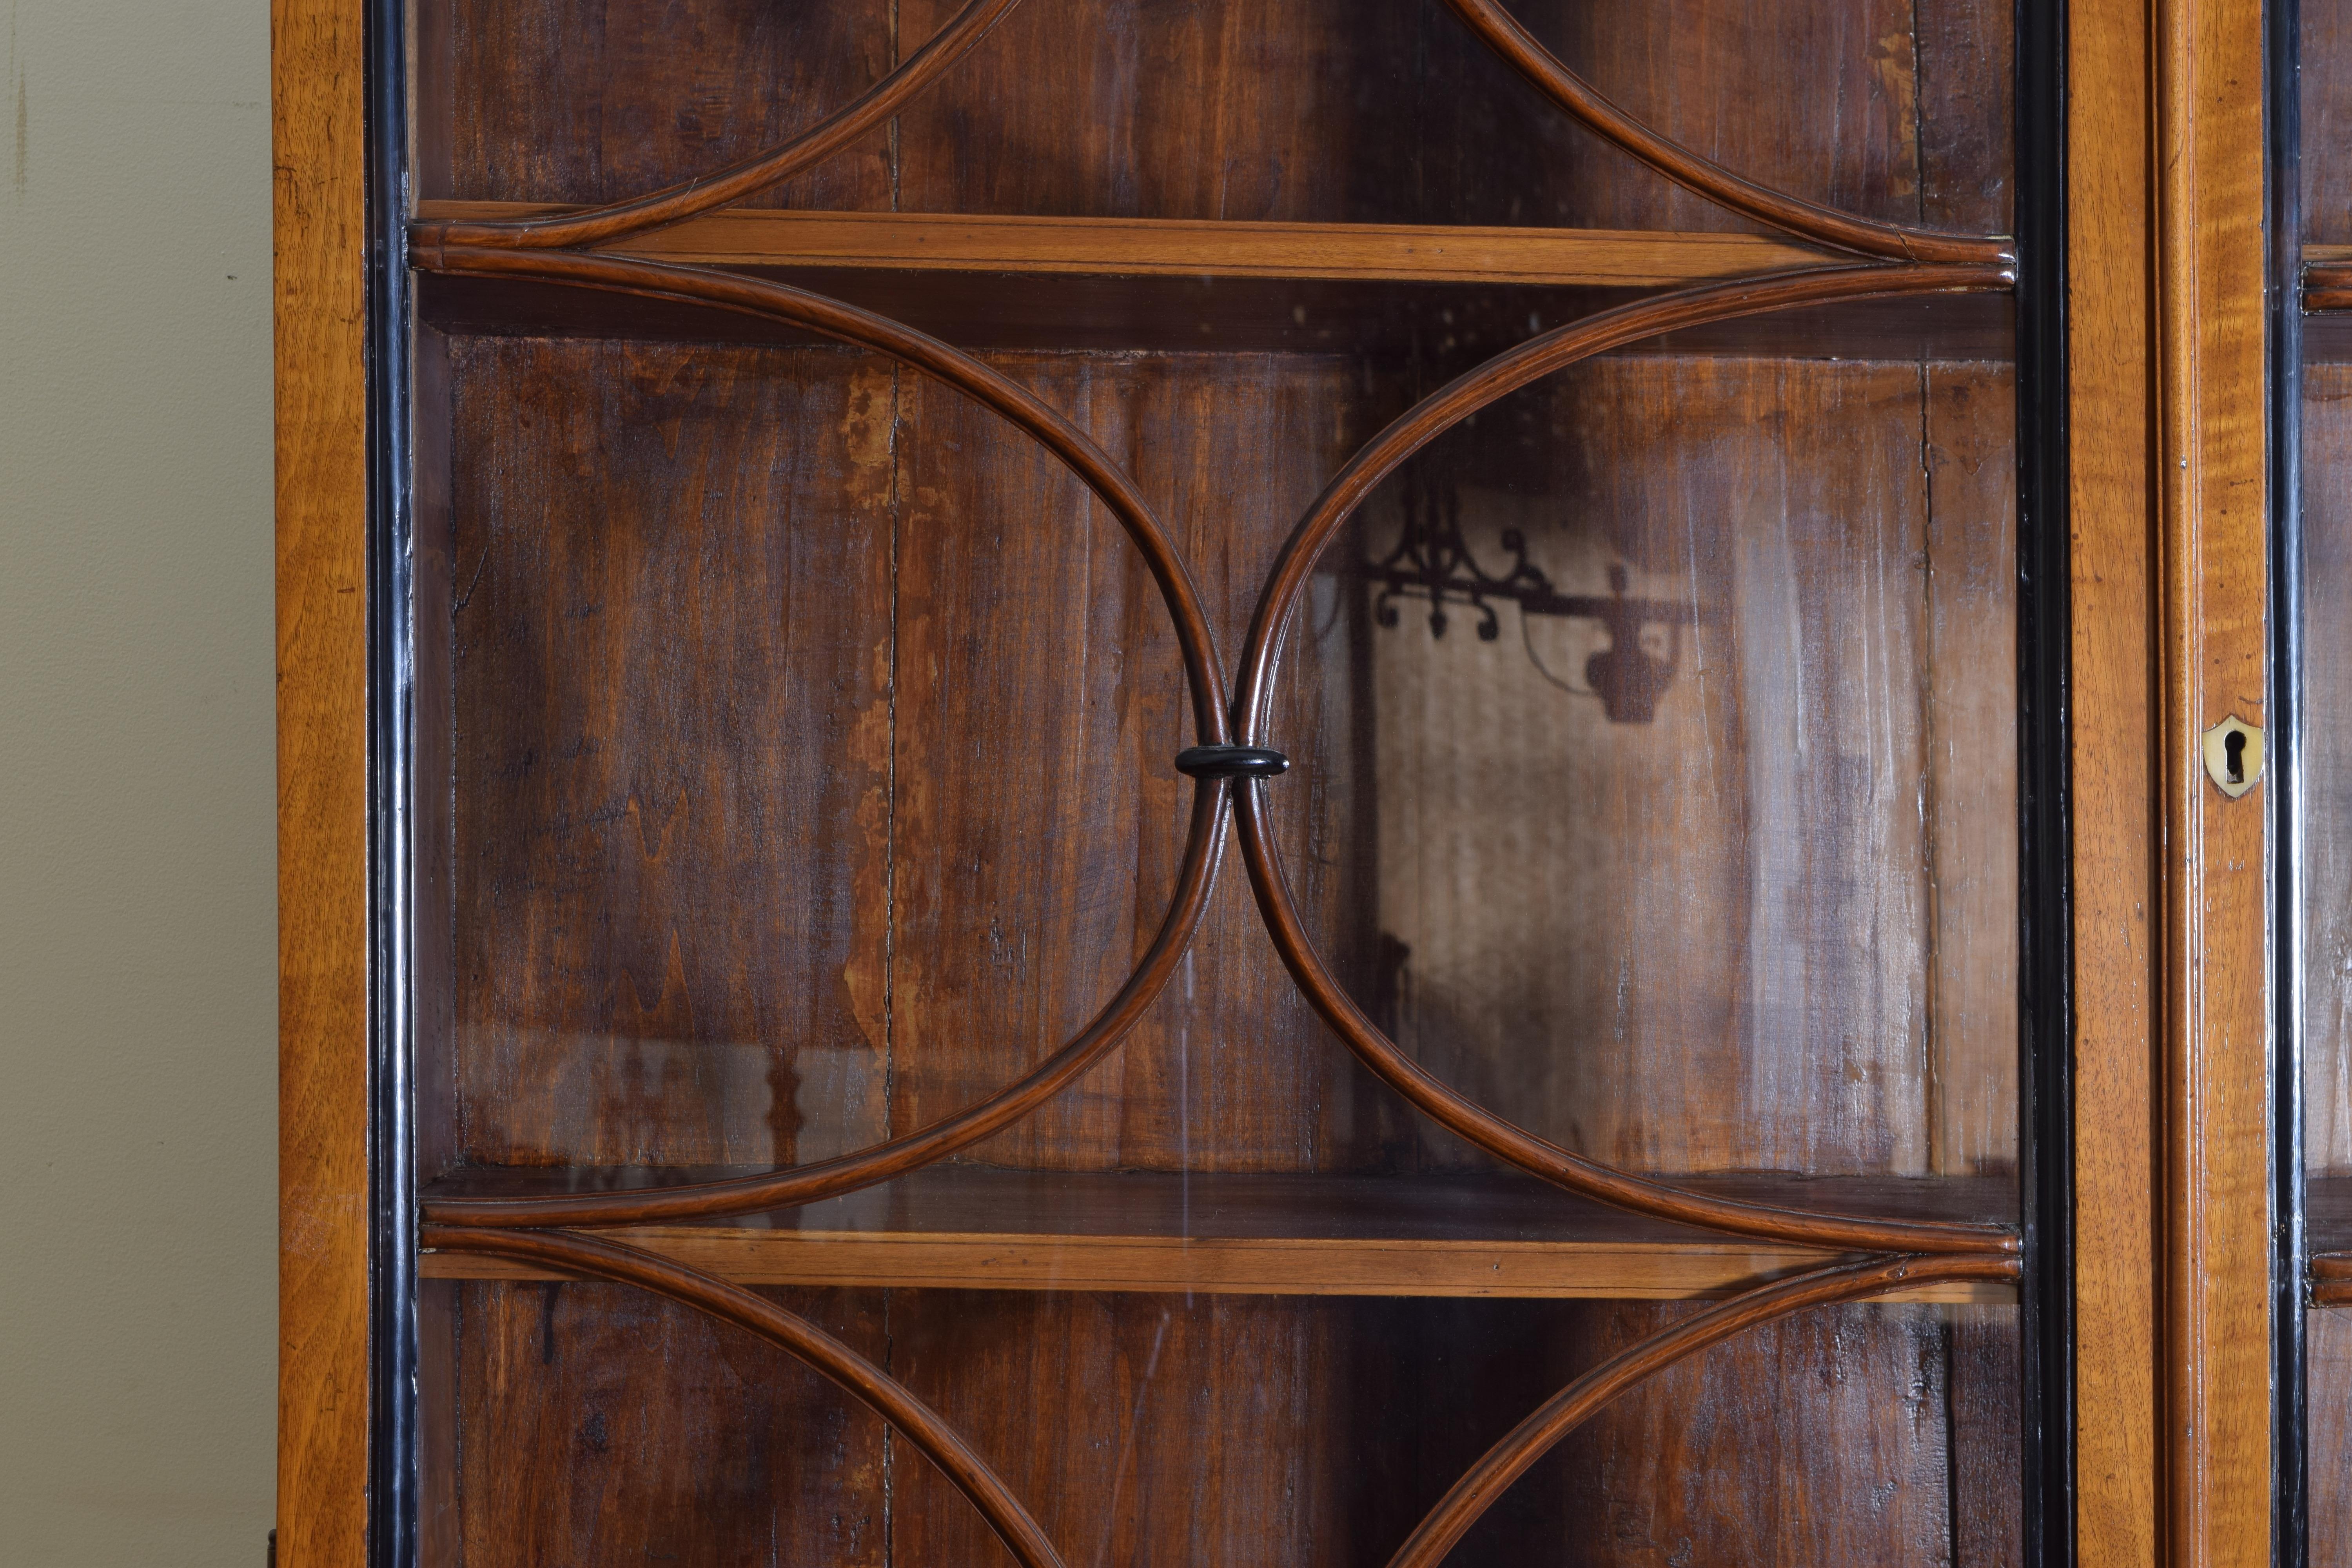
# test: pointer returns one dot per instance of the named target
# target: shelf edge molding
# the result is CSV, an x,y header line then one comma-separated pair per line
x,y
1398,253
1559,1271
2327,278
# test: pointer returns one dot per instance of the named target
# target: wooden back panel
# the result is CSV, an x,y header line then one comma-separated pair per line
x,y
1337,111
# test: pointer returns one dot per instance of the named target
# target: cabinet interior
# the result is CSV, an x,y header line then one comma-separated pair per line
x,y
797,769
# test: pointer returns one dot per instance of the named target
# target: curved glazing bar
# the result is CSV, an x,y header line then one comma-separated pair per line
x,y
1534,1437
704,193
1039,420
1409,433
1204,841
1501,31
879,1392
799,1185
1517,1147
1506,372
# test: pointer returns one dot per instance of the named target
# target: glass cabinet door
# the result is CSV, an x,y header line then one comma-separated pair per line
x,y
1238,783
2314,374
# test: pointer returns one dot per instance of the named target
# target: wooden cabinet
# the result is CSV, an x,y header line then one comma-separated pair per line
x,y
1084,781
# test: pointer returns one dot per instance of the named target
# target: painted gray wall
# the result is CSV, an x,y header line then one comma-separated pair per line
x,y
137,908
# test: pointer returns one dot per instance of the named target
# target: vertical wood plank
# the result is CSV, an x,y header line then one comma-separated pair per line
x,y
1387,111
2113,716
317,133
2328,1368
2212,468
1971,676
1708,941
2326,761
672,721
596,104
604,1425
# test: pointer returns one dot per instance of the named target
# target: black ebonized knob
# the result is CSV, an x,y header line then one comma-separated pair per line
x,y
1231,762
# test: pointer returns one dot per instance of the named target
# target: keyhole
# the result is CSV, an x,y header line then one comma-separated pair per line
x,y
2233,751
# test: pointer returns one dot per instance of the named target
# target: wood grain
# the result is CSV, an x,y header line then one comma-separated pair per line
x,y
672,919
2328,1349
909,1417
809,147
1015,1261
1777,209
2326,1045
1967,723
2327,278
1358,1414
752,237
1039,814
2325,37
1375,111
605,1426
2212,367
1482,1484
1120,108
1442,324
2114,712
1846,1472
1834,758
973,1227
548,106
1028,816
317,115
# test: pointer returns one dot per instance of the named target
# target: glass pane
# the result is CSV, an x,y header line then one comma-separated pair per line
x,y
836,1000
1326,111
2323,776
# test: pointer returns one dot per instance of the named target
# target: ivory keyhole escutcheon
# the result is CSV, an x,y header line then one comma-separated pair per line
x,y
2233,756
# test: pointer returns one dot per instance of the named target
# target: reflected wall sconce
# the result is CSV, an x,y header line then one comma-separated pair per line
x,y
1433,563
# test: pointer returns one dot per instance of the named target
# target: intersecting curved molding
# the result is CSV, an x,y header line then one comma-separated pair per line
x,y
706,192
1203,673
1501,32
1035,418
1549,353
1348,490
843,1367
1534,1437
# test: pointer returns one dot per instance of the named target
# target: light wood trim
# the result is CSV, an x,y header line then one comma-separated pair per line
x,y
2213,531
1215,1266
1178,248
2169,524
317,122
2112,710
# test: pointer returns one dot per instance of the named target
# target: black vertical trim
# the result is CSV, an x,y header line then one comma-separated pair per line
x,y
2045,971
390,708
2283,136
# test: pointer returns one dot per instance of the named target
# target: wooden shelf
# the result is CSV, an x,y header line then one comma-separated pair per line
x,y
973,1227
2328,304
1607,258
2327,276
2327,1236
1449,296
